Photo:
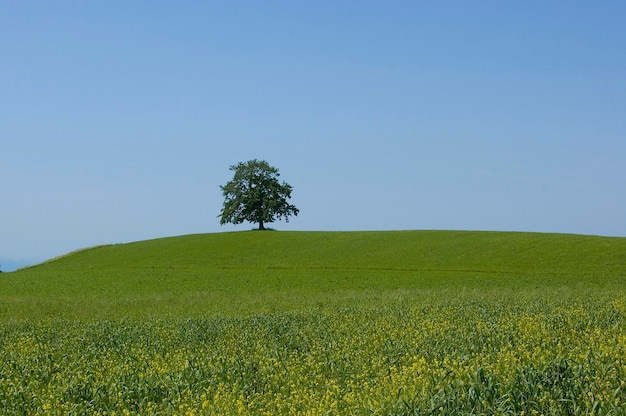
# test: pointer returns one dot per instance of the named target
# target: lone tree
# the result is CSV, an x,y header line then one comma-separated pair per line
x,y
255,195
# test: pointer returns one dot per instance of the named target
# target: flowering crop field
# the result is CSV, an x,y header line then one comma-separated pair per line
x,y
478,357
410,323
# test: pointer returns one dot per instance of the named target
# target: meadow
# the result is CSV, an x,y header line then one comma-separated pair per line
x,y
389,323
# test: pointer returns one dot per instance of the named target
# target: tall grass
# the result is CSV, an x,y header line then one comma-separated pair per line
x,y
395,358
397,323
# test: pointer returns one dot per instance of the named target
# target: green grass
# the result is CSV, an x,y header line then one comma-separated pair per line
x,y
259,272
313,323
391,358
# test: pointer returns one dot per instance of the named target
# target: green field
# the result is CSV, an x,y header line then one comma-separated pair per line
x,y
405,322
260,272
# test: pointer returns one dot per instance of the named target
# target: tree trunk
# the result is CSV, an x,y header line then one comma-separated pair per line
x,y
261,226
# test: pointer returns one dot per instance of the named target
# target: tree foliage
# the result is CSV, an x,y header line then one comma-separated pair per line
x,y
255,195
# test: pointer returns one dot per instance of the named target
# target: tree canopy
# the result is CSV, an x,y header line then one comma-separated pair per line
x,y
255,195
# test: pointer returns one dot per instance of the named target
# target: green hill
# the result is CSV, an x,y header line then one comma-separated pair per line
x,y
248,272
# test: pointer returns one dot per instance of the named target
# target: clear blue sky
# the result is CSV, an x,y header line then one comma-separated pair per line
x,y
119,120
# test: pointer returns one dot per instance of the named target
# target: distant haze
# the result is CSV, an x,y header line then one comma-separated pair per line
x,y
11,266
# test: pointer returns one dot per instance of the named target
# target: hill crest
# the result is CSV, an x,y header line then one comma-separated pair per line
x,y
429,250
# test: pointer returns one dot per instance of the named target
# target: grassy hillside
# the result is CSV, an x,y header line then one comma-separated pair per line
x,y
233,273
399,250
285,323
